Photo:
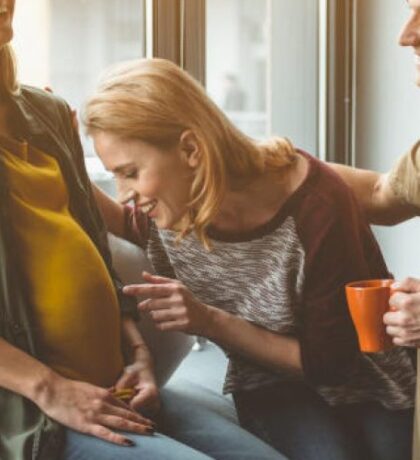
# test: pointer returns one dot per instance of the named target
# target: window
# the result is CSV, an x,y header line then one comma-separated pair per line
x,y
66,44
276,67
237,61
262,66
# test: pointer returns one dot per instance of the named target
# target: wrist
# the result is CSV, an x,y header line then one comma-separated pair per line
x,y
40,389
214,323
139,348
140,353
142,358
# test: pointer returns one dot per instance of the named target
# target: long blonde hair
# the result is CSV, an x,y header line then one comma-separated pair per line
x,y
155,101
8,71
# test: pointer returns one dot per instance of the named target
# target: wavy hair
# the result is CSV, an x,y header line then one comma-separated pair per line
x,y
155,101
8,71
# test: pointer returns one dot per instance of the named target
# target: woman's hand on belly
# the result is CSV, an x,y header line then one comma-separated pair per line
x,y
91,409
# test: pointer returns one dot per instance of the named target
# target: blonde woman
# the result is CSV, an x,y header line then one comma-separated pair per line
x,y
63,320
252,243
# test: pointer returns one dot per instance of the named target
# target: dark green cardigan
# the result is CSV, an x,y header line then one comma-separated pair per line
x,y
45,121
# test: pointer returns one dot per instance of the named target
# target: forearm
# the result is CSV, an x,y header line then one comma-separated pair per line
x,y
112,212
375,195
134,344
23,374
363,183
271,350
120,220
389,208
172,306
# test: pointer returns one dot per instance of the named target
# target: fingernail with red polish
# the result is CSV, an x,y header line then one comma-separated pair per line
x,y
129,443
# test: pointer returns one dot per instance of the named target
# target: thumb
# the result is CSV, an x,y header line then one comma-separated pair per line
x,y
127,380
409,285
146,401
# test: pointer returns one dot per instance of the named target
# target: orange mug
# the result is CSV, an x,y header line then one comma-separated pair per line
x,y
368,301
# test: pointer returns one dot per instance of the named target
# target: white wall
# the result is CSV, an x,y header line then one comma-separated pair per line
x,y
388,114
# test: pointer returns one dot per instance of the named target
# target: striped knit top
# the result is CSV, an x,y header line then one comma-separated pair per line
x,y
288,276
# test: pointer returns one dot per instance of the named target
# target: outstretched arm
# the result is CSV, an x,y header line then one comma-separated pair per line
x,y
173,307
375,195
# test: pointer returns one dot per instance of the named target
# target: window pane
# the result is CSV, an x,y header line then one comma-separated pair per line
x,y
262,66
237,59
65,44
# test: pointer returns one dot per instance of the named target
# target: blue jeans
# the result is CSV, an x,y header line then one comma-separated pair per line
x,y
189,429
297,422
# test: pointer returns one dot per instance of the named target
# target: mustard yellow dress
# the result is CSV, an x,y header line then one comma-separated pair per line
x,y
75,308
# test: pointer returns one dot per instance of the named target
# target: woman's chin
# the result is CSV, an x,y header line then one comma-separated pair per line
x,y
162,223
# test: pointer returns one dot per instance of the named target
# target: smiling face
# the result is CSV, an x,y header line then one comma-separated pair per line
x,y
6,17
410,35
159,180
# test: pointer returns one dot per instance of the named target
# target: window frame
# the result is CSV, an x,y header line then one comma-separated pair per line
x,y
179,34
338,85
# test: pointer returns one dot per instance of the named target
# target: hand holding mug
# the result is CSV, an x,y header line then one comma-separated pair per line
x,y
403,322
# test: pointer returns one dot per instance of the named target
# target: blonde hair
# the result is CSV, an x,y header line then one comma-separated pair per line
x,y
8,71
155,101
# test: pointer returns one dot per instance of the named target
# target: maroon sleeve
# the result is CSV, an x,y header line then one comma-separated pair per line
x,y
136,228
339,248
